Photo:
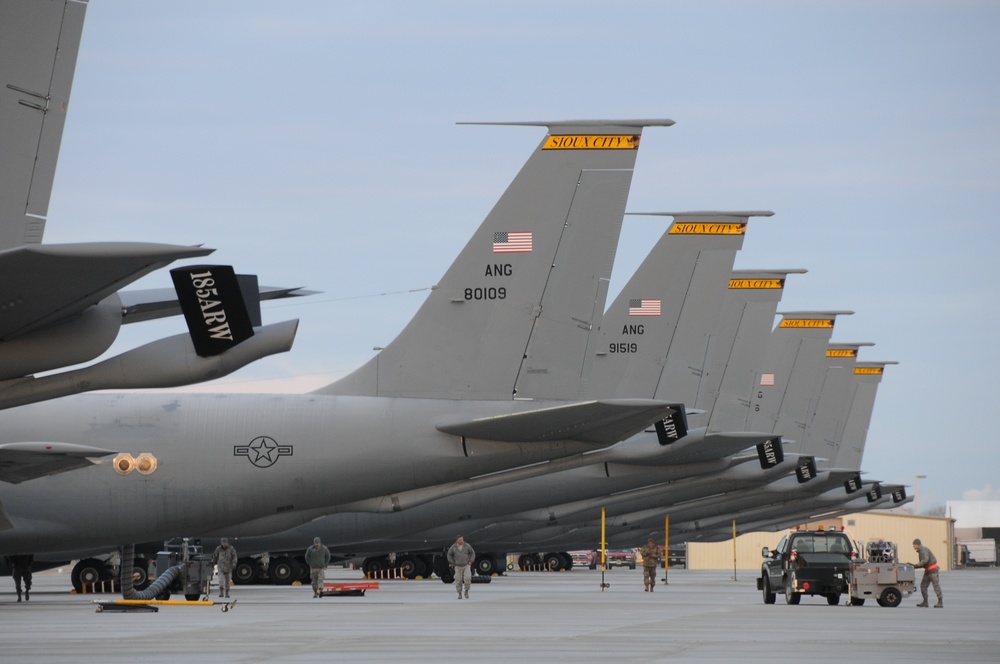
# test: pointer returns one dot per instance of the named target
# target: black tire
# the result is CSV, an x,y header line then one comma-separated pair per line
x,y
890,598
283,571
833,599
246,572
140,573
769,596
631,566
857,601
791,597
553,562
527,562
485,565
409,566
302,573
88,571
192,597
567,560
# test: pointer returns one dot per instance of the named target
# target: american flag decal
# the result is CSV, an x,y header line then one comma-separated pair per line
x,y
767,379
512,243
643,307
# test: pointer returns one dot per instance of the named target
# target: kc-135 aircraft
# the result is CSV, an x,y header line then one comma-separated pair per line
x,y
436,405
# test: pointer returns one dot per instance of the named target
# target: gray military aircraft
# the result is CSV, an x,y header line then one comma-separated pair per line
x,y
434,406
789,351
61,302
686,271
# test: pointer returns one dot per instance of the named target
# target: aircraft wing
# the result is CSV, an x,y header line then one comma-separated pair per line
x,y
51,282
26,461
598,422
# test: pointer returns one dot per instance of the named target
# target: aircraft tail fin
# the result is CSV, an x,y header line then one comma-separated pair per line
x,y
39,42
654,337
864,387
737,345
789,379
556,224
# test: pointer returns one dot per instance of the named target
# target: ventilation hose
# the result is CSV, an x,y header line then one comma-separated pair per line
x,y
155,588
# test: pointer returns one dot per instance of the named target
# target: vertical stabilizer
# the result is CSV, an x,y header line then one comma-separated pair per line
x,y
654,338
788,381
864,387
39,42
737,346
542,254
825,425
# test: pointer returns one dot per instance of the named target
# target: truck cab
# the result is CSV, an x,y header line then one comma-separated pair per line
x,y
807,562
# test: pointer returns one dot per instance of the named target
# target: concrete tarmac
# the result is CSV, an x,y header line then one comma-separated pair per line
x,y
701,616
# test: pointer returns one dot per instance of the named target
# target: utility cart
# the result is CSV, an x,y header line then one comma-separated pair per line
x,y
881,577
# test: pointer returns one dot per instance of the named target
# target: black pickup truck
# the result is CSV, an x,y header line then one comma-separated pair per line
x,y
807,562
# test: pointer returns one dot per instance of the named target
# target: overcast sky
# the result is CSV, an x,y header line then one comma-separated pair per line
x,y
315,144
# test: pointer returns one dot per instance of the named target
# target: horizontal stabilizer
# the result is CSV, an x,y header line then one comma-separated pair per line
x,y
146,304
26,461
51,282
597,422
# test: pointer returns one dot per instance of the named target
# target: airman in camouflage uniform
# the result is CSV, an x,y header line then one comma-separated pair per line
x,y
650,561
930,566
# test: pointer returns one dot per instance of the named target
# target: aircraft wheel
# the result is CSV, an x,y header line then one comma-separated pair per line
x,y
526,561
890,597
140,573
553,562
485,565
567,560
192,597
301,569
246,572
769,595
283,571
88,571
409,566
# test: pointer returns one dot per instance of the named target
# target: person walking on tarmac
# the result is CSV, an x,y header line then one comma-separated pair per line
x,y
224,560
20,567
930,565
650,561
460,557
318,559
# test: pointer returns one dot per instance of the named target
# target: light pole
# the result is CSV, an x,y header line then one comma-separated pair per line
x,y
916,492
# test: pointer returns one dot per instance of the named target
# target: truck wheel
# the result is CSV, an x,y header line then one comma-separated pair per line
x,y
791,597
890,597
769,596
833,599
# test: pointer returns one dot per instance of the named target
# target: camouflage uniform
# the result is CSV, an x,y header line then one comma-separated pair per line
x,y
650,561
930,566
461,556
224,559
318,559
